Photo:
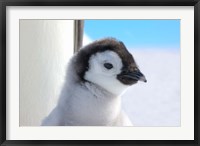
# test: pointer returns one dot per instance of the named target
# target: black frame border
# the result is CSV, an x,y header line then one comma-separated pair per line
x,y
4,3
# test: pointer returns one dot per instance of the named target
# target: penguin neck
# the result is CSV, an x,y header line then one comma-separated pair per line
x,y
90,104
98,91
102,103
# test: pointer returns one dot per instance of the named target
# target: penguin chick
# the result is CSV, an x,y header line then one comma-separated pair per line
x,y
96,77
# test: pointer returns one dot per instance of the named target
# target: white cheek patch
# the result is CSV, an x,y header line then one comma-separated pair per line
x,y
96,63
106,78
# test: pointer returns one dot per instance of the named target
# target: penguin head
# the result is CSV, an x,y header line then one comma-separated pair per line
x,y
108,64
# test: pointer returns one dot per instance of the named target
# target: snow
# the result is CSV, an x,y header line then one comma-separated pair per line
x,y
157,102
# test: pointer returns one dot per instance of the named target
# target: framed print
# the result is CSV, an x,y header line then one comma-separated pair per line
x,y
103,72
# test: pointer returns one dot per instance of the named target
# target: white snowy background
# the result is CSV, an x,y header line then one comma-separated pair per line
x,y
157,102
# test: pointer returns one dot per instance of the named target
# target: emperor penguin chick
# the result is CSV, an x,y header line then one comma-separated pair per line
x,y
96,77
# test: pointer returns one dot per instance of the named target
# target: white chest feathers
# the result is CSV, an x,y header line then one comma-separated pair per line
x,y
90,105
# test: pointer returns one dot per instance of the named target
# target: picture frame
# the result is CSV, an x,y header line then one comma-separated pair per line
x,y
3,92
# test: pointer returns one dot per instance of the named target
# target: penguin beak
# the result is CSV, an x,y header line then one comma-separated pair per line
x,y
135,75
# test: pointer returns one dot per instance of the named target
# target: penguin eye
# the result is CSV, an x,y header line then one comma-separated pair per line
x,y
108,65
